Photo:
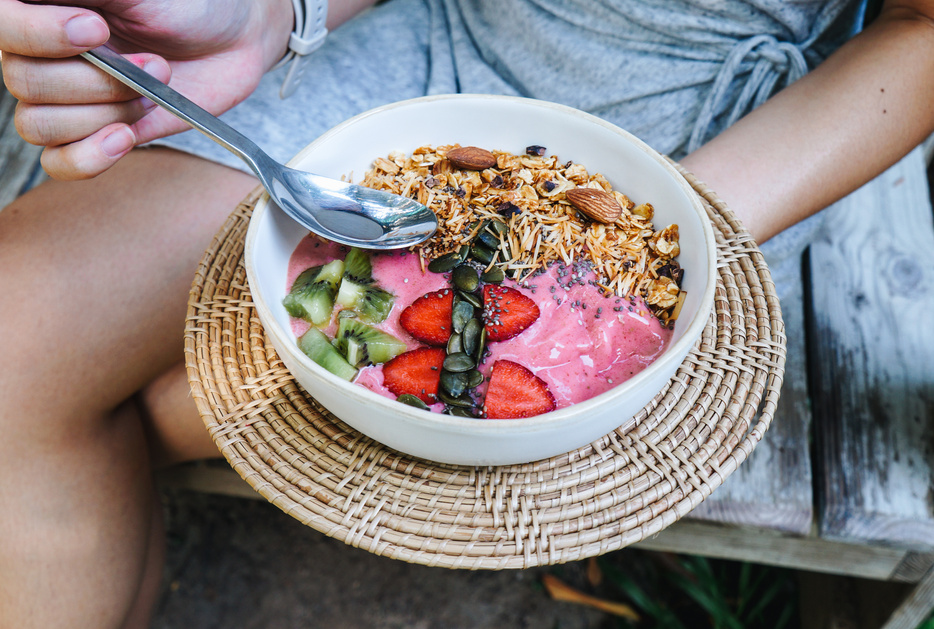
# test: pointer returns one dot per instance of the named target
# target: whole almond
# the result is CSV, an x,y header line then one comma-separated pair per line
x,y
597,204
471,158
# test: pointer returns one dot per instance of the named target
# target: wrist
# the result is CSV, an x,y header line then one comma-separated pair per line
x,y
277,21
308,34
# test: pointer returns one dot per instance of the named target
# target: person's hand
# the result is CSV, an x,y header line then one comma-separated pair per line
x,y
213,51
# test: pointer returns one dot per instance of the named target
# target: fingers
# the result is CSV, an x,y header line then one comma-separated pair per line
x,y
82,114
74,80
91,156
51,125
45,30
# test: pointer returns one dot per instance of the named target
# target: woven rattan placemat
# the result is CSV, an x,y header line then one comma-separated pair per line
x,y
602,497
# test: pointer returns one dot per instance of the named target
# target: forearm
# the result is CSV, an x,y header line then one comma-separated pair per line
x,y
830,132
339,11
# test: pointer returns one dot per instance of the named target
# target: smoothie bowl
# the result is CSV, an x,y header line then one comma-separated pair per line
x,y
572,272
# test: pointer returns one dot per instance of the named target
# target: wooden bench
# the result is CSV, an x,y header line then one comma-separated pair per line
x,y
843,482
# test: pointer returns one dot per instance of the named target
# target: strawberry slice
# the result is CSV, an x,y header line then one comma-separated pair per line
x,y
515,392
428,319
416,372
506,312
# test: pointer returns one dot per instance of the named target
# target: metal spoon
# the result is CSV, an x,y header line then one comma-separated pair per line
x,y
345,213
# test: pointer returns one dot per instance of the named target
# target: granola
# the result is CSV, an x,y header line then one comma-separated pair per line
x,y
525,196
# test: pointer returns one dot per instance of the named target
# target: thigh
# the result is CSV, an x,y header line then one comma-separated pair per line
x,y
95,278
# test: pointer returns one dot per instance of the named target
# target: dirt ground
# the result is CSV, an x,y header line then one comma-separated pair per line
x,y
237,563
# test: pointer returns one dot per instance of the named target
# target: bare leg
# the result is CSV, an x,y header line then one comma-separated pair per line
x,y
94,282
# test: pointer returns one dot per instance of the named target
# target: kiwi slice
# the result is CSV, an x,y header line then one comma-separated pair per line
x,y
318,347
362,344
312,294
300,286
372,303
357,266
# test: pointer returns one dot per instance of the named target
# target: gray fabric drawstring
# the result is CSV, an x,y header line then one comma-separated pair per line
x,y
771,60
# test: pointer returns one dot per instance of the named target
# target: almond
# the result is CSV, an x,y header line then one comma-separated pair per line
x,y
471,158
597,204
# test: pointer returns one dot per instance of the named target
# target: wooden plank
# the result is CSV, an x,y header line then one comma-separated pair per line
x,y
207,477
916,608
773,488
19,161
871,338
777,549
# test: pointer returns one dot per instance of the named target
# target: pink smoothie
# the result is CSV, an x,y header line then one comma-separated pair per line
x,y
582,344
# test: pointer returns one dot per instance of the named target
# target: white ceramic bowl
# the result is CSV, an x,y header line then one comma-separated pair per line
x,y
501,123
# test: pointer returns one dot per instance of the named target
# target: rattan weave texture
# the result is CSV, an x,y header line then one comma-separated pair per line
x,y
616,491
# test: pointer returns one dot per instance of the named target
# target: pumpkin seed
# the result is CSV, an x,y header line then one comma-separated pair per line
x,y
474,378
463,401
458,362
482,254
454,384
448,261
458,411
454,344
500,228
460,315
488,240
471,298
466,278
412,400
481,345
494,275
470,336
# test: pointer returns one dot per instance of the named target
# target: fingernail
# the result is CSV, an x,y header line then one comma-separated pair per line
x,y
86,30
146,104
118,142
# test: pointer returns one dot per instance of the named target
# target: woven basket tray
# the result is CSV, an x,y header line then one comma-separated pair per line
x,y
602,497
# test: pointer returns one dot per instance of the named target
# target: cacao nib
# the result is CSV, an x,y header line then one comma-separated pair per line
x,y
507,209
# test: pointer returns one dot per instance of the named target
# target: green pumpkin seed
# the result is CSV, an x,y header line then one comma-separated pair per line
x,y
482,254
412,400
471,298
500,228
488,240
462,401
460,315
458,362
448,261
481,345
494,275
471,336
458,411
466,278
454,384
454,344
474,378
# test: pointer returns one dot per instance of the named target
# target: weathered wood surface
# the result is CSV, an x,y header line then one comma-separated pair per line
x,y
916,608
19,161
772,489
872,344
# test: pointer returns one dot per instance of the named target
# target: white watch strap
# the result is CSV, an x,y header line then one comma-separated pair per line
x,y
309,34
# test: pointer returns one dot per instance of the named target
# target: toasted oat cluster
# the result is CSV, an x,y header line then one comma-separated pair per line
x,y
551,211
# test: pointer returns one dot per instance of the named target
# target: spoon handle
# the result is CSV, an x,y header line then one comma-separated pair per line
x,y
115,65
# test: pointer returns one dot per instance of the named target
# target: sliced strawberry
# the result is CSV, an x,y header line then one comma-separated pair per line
x,y
506,312
515,392
415,372
428,319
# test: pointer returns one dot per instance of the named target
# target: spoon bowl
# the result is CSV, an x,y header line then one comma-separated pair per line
x,y
339,211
